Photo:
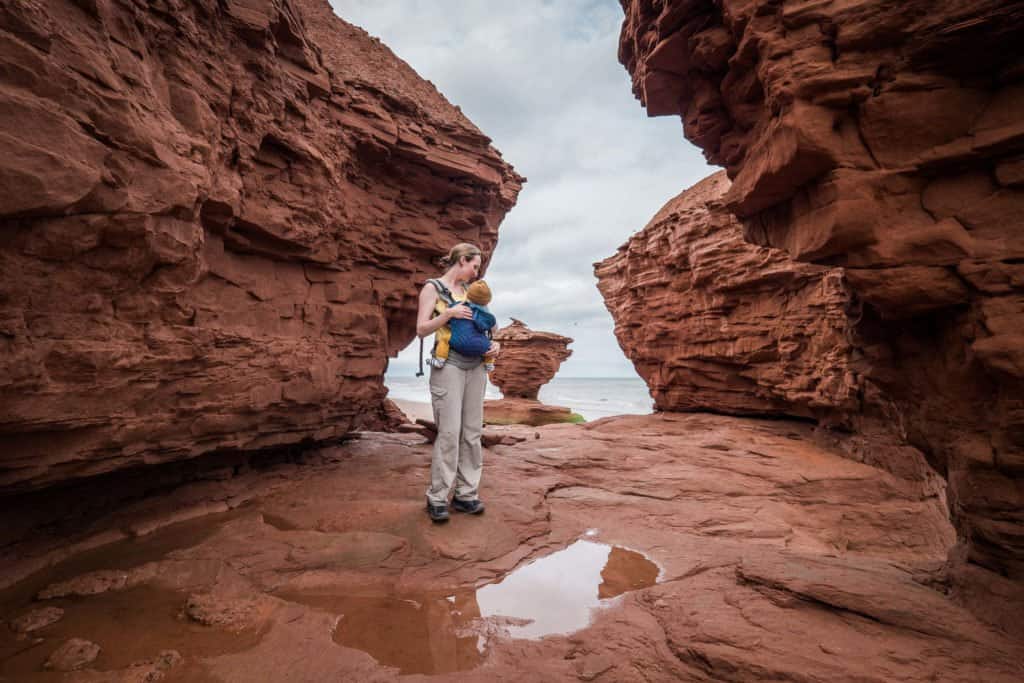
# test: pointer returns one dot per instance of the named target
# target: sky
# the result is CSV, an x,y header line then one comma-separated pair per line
x,y
542,79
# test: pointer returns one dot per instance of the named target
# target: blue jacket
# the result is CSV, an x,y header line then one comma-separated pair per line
x,y
472,337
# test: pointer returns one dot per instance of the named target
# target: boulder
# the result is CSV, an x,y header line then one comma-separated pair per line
x,y
528,360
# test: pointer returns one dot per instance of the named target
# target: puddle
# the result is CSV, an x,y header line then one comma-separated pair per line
x,y
434,634
418,635
558,593
421,633
126,633
130,625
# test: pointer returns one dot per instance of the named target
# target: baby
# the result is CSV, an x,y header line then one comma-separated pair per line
x,y
470,336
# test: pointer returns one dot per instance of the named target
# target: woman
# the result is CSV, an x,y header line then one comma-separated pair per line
x,y
456,392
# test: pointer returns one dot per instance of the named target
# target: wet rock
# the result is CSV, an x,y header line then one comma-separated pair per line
x,y
222,256
350,549
36,619
92,583
73,654
528,360
222,612
147,671
776,552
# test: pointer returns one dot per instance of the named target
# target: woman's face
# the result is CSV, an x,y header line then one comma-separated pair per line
x,y
470,269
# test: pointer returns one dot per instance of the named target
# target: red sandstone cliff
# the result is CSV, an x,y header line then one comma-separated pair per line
x,y
887,138
714,323
215,218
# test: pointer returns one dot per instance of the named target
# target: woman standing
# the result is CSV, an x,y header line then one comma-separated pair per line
x,y
456,391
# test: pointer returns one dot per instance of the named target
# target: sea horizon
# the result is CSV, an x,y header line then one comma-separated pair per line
x,y
591,397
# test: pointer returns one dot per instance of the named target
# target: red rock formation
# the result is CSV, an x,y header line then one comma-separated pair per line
x,y
528,359
215,216
886,138
525,411
714,323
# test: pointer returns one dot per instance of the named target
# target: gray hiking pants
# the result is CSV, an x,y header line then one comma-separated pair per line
x,y
458,399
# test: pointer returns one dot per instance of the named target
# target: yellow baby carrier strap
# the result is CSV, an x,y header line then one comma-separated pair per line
x,y
445,298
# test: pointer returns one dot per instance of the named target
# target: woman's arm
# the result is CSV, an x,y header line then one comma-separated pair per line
x,y
424,323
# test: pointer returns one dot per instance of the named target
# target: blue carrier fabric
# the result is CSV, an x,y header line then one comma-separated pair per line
x,y
472,337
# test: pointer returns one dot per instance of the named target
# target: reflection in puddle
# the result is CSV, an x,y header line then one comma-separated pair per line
x,y
434,634
557,593
426,635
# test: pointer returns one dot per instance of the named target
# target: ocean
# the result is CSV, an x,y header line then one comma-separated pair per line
x,y
591,397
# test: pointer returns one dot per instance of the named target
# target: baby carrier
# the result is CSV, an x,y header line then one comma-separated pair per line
x,y
468,337
472,337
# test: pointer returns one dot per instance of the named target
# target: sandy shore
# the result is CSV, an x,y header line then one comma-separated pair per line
x,y
416,410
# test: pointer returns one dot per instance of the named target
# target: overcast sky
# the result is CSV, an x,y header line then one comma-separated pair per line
x,y
542,79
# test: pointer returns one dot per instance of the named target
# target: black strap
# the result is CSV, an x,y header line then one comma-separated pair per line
x,y
420,373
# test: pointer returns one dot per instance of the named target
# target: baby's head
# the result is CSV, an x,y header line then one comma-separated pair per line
x,y
479,293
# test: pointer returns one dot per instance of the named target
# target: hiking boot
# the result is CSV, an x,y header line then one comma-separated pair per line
x,y
472,507
438,513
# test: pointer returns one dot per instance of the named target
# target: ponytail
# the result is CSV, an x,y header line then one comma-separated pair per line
x,y
457,253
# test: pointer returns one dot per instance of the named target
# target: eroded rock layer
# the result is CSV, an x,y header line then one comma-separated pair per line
x,y
887,138
215,217
712,322
529,359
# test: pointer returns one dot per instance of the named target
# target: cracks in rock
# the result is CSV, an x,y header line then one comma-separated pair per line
x,y
854,112
698,570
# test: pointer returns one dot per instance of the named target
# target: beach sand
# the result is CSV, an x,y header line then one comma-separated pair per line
x,y
416,410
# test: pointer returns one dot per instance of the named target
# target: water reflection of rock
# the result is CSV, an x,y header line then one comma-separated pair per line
x,y
626,570
416,634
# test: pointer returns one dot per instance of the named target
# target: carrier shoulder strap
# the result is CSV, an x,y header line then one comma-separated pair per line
x,y
448,299
443,292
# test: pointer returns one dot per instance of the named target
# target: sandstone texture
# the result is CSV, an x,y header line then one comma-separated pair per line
x,y
712,322
36,619
216,215
73,654
776,559
528,360
886,139
525,411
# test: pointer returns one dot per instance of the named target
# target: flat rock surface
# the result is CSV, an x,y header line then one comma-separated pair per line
x,y
772,558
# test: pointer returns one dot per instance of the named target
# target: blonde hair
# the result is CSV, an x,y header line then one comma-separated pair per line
x,y
458,252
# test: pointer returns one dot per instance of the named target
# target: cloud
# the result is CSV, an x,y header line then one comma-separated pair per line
x,y
542,79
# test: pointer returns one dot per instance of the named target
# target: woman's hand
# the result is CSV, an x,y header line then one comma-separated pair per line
x,y
494,349
464,312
